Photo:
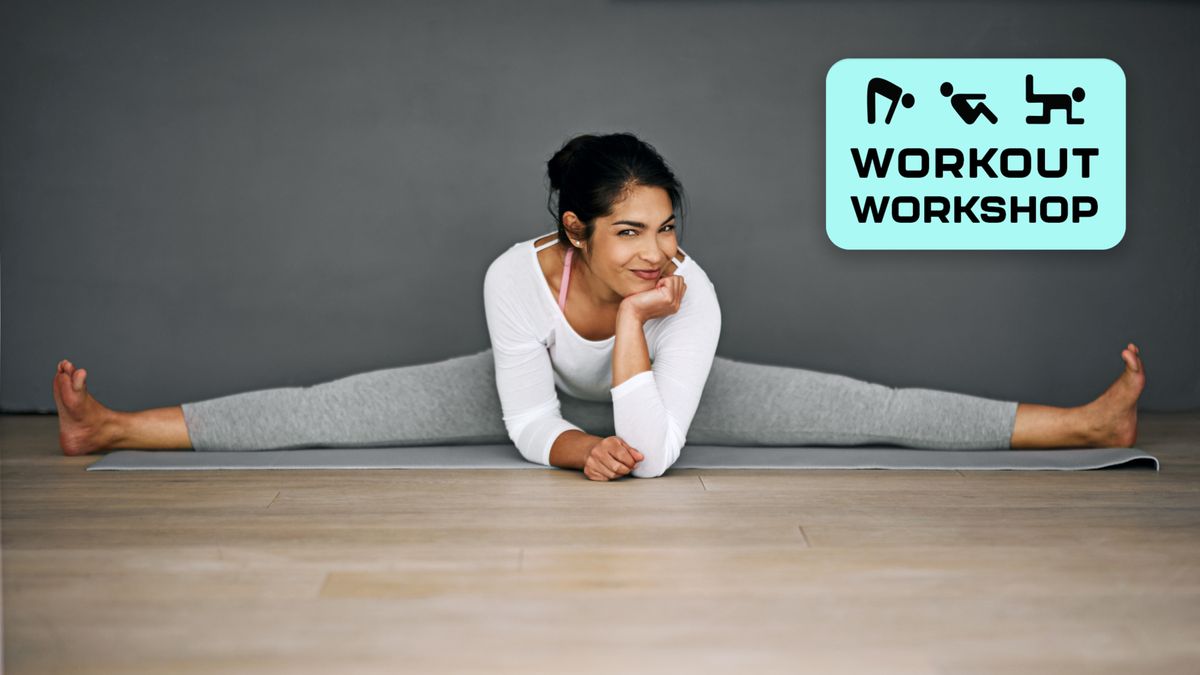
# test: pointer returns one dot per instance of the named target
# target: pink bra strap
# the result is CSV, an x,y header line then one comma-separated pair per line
x,y
566,277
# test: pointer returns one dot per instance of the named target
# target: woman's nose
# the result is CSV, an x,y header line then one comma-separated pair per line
x,y
654,257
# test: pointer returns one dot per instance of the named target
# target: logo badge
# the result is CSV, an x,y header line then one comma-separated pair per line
x,y
960,154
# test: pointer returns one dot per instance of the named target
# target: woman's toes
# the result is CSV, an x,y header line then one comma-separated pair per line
x,y
1135,359
66,395
1130,360
71,394
56,387
62,386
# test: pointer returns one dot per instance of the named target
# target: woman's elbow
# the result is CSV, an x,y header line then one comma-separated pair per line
x,y
643,471
669,446
653,468
526,449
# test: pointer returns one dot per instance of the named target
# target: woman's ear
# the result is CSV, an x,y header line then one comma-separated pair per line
x,y
574,228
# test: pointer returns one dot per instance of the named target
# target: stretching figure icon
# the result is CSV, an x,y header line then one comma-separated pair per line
x,y
890,91
1052,102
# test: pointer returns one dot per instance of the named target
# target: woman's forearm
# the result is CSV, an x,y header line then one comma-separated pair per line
x,y
630,354
630,357
571,449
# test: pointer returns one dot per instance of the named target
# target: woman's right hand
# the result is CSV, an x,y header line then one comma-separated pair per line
x,y
662,300
611,458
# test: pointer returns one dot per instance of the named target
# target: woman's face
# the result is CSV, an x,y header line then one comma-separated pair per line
x,y
639,235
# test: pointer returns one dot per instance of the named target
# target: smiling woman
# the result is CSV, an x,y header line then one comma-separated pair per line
x,y
609,311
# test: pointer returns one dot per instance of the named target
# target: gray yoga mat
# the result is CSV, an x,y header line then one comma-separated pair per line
x,y
692,457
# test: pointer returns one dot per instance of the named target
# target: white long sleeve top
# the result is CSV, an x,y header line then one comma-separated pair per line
x,y
536,351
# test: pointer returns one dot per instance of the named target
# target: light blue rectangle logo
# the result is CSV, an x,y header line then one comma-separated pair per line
x,y
975,153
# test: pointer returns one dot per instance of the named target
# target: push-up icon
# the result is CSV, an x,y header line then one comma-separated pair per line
x,y
890,91
961,104
1051,102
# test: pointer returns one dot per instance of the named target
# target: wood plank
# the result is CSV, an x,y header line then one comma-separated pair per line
x,y
925,572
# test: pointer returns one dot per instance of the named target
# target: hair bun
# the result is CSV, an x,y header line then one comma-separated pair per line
x,y
557,167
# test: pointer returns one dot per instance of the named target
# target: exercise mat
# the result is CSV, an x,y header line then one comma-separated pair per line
x,y
692,457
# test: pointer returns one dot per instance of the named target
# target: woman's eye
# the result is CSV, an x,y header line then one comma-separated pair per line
x,y
622,232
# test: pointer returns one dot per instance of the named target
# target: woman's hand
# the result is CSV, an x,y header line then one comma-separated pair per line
x,y
662,300
611,458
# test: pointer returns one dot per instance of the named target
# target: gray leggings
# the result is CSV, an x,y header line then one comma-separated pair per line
x,y
454,401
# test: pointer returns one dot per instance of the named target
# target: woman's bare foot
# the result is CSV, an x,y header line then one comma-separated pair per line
x,y
83,424
1111,420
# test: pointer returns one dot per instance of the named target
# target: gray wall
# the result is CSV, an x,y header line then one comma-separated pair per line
x,y
199,198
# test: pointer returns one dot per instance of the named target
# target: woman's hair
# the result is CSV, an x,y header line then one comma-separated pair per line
x,y
590,173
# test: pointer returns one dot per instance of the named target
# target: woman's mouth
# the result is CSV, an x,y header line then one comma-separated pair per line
x,y
648,275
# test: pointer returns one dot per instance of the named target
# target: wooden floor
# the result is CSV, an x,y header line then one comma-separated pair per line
x,y
421,571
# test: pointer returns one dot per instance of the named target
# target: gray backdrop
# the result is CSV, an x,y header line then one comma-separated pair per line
x,y
199,198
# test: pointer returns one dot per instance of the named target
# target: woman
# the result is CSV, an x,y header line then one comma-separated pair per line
x,y
607,323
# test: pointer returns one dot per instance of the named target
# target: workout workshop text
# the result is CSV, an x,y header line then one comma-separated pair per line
x,y
955,164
